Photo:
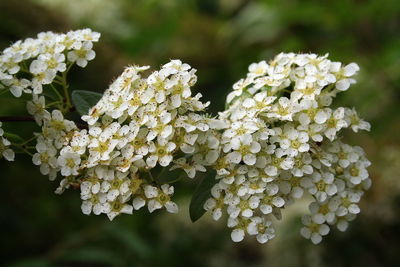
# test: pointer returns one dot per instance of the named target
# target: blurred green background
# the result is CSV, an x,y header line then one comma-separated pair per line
x,y
220,38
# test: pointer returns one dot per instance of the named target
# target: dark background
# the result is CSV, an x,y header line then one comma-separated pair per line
x,y
220,38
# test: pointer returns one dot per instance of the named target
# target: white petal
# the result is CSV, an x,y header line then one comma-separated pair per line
x,y
237,235
171,207
138,203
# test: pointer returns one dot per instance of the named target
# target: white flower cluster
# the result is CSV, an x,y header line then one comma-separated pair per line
x,y
30,65
5,150
281,141
277,140
139,124
27,66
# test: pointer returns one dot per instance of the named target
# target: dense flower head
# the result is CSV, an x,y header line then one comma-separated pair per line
x,y
139,124
28,65
282,141
278,139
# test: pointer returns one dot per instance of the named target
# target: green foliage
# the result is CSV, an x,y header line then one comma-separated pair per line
x,y
84,100
13,137
200,195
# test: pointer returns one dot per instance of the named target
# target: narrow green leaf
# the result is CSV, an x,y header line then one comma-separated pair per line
x,y
201,194
13,137
84,100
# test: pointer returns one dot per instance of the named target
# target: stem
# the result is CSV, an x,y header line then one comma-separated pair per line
x,y
56,91
66,86
53,103
16,118
176,180
180,177
161,173
23,148
5,91
24,67
57,81
29,140
329,87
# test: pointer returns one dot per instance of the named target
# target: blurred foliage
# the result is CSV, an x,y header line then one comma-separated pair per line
x,y
220,38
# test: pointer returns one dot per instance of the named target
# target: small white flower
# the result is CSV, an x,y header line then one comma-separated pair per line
x,y
36,107
356,172
335,122
355,122
82,55
53,61
69,162
160,152
160,198
323,212
312,230
283,110
344,75
244,148
45,157
18,86
320,185
113,209
5,149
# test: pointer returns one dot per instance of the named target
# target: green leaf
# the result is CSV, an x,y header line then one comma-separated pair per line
x,y
84,100
201,194
14,138
166,176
